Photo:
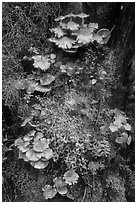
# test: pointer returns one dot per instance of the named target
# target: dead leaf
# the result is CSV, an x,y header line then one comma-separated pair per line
x,y
103,32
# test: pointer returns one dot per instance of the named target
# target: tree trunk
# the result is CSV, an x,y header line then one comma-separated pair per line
x,y
123,41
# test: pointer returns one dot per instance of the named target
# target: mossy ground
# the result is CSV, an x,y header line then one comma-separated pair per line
x,y
70,103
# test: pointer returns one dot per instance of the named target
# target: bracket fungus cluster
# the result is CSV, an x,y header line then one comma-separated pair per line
x,y
40,79
120,123
70,35
60,184
34,148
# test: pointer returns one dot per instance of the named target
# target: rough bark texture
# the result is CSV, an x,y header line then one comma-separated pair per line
x,y
123,40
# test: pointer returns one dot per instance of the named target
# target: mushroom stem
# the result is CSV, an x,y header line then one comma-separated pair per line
x,y
82,22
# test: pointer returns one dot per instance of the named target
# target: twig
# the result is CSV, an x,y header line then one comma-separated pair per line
x,y
89,185
33,125
84,195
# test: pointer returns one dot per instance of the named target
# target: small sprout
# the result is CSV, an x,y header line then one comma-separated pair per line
x,y
41,62
49,192
47,79
58,31
70,177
